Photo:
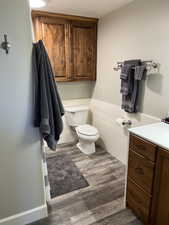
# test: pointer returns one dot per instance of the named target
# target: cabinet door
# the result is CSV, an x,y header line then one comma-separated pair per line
x,y
141,170
55,34
160,212
138,201
84,50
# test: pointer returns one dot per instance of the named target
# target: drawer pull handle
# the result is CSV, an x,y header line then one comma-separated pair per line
x,y
143,148
139,171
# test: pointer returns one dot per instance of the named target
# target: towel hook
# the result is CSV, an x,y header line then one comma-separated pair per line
x,y
5,45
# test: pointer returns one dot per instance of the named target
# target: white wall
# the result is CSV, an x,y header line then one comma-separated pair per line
x,y
21,183
138,30
113,137
75,89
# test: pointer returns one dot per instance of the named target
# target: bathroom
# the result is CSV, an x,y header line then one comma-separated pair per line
x,y
89,179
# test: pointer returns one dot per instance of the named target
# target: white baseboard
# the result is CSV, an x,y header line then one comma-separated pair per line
x,y
26,217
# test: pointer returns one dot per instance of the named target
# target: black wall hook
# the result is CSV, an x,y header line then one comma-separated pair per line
x,y
5,45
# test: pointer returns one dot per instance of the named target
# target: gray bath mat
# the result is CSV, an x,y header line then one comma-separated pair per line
x,y
64,176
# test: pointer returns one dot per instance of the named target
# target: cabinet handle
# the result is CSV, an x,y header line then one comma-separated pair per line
x,y
143,148
139,171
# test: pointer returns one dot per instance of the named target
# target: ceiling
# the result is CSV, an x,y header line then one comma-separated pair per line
x,y
90,8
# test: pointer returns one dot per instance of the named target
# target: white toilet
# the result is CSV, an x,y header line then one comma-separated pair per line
x,y
77,117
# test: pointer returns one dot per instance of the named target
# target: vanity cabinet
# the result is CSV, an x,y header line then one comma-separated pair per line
x,y
148,181
71,44
160,203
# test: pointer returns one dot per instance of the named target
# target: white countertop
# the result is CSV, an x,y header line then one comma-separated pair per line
x,y
157,133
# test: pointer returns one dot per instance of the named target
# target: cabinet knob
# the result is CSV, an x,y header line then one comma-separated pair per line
x,y
139,170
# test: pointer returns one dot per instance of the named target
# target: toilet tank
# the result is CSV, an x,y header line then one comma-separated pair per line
x,y
76,115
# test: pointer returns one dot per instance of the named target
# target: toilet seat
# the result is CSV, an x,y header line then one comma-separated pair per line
x,y
87,130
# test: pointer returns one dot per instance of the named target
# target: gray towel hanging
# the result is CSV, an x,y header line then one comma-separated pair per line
x,y
48,106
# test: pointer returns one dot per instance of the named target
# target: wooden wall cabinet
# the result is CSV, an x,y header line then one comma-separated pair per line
x,y
83,50
148,181
71,43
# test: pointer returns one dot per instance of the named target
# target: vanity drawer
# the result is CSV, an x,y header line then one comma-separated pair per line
x,y
138,201
143,147
141,170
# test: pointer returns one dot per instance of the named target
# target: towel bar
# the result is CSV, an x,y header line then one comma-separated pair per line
x,y
150,63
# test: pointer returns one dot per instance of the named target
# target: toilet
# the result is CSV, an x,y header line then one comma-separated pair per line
x,y
77,117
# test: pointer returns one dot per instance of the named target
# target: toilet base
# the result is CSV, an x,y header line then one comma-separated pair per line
x,y
86,148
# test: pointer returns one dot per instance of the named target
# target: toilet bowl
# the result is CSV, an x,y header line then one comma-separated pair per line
x,y
87,135
77,117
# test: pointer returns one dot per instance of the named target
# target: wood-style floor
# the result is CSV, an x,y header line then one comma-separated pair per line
x,y
100,202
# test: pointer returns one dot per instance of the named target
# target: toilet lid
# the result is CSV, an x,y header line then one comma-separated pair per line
x,y
87,130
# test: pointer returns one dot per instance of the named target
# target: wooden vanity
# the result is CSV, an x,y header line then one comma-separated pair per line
x,y
148,181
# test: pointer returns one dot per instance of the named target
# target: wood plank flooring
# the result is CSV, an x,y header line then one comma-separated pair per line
x,y
101,201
